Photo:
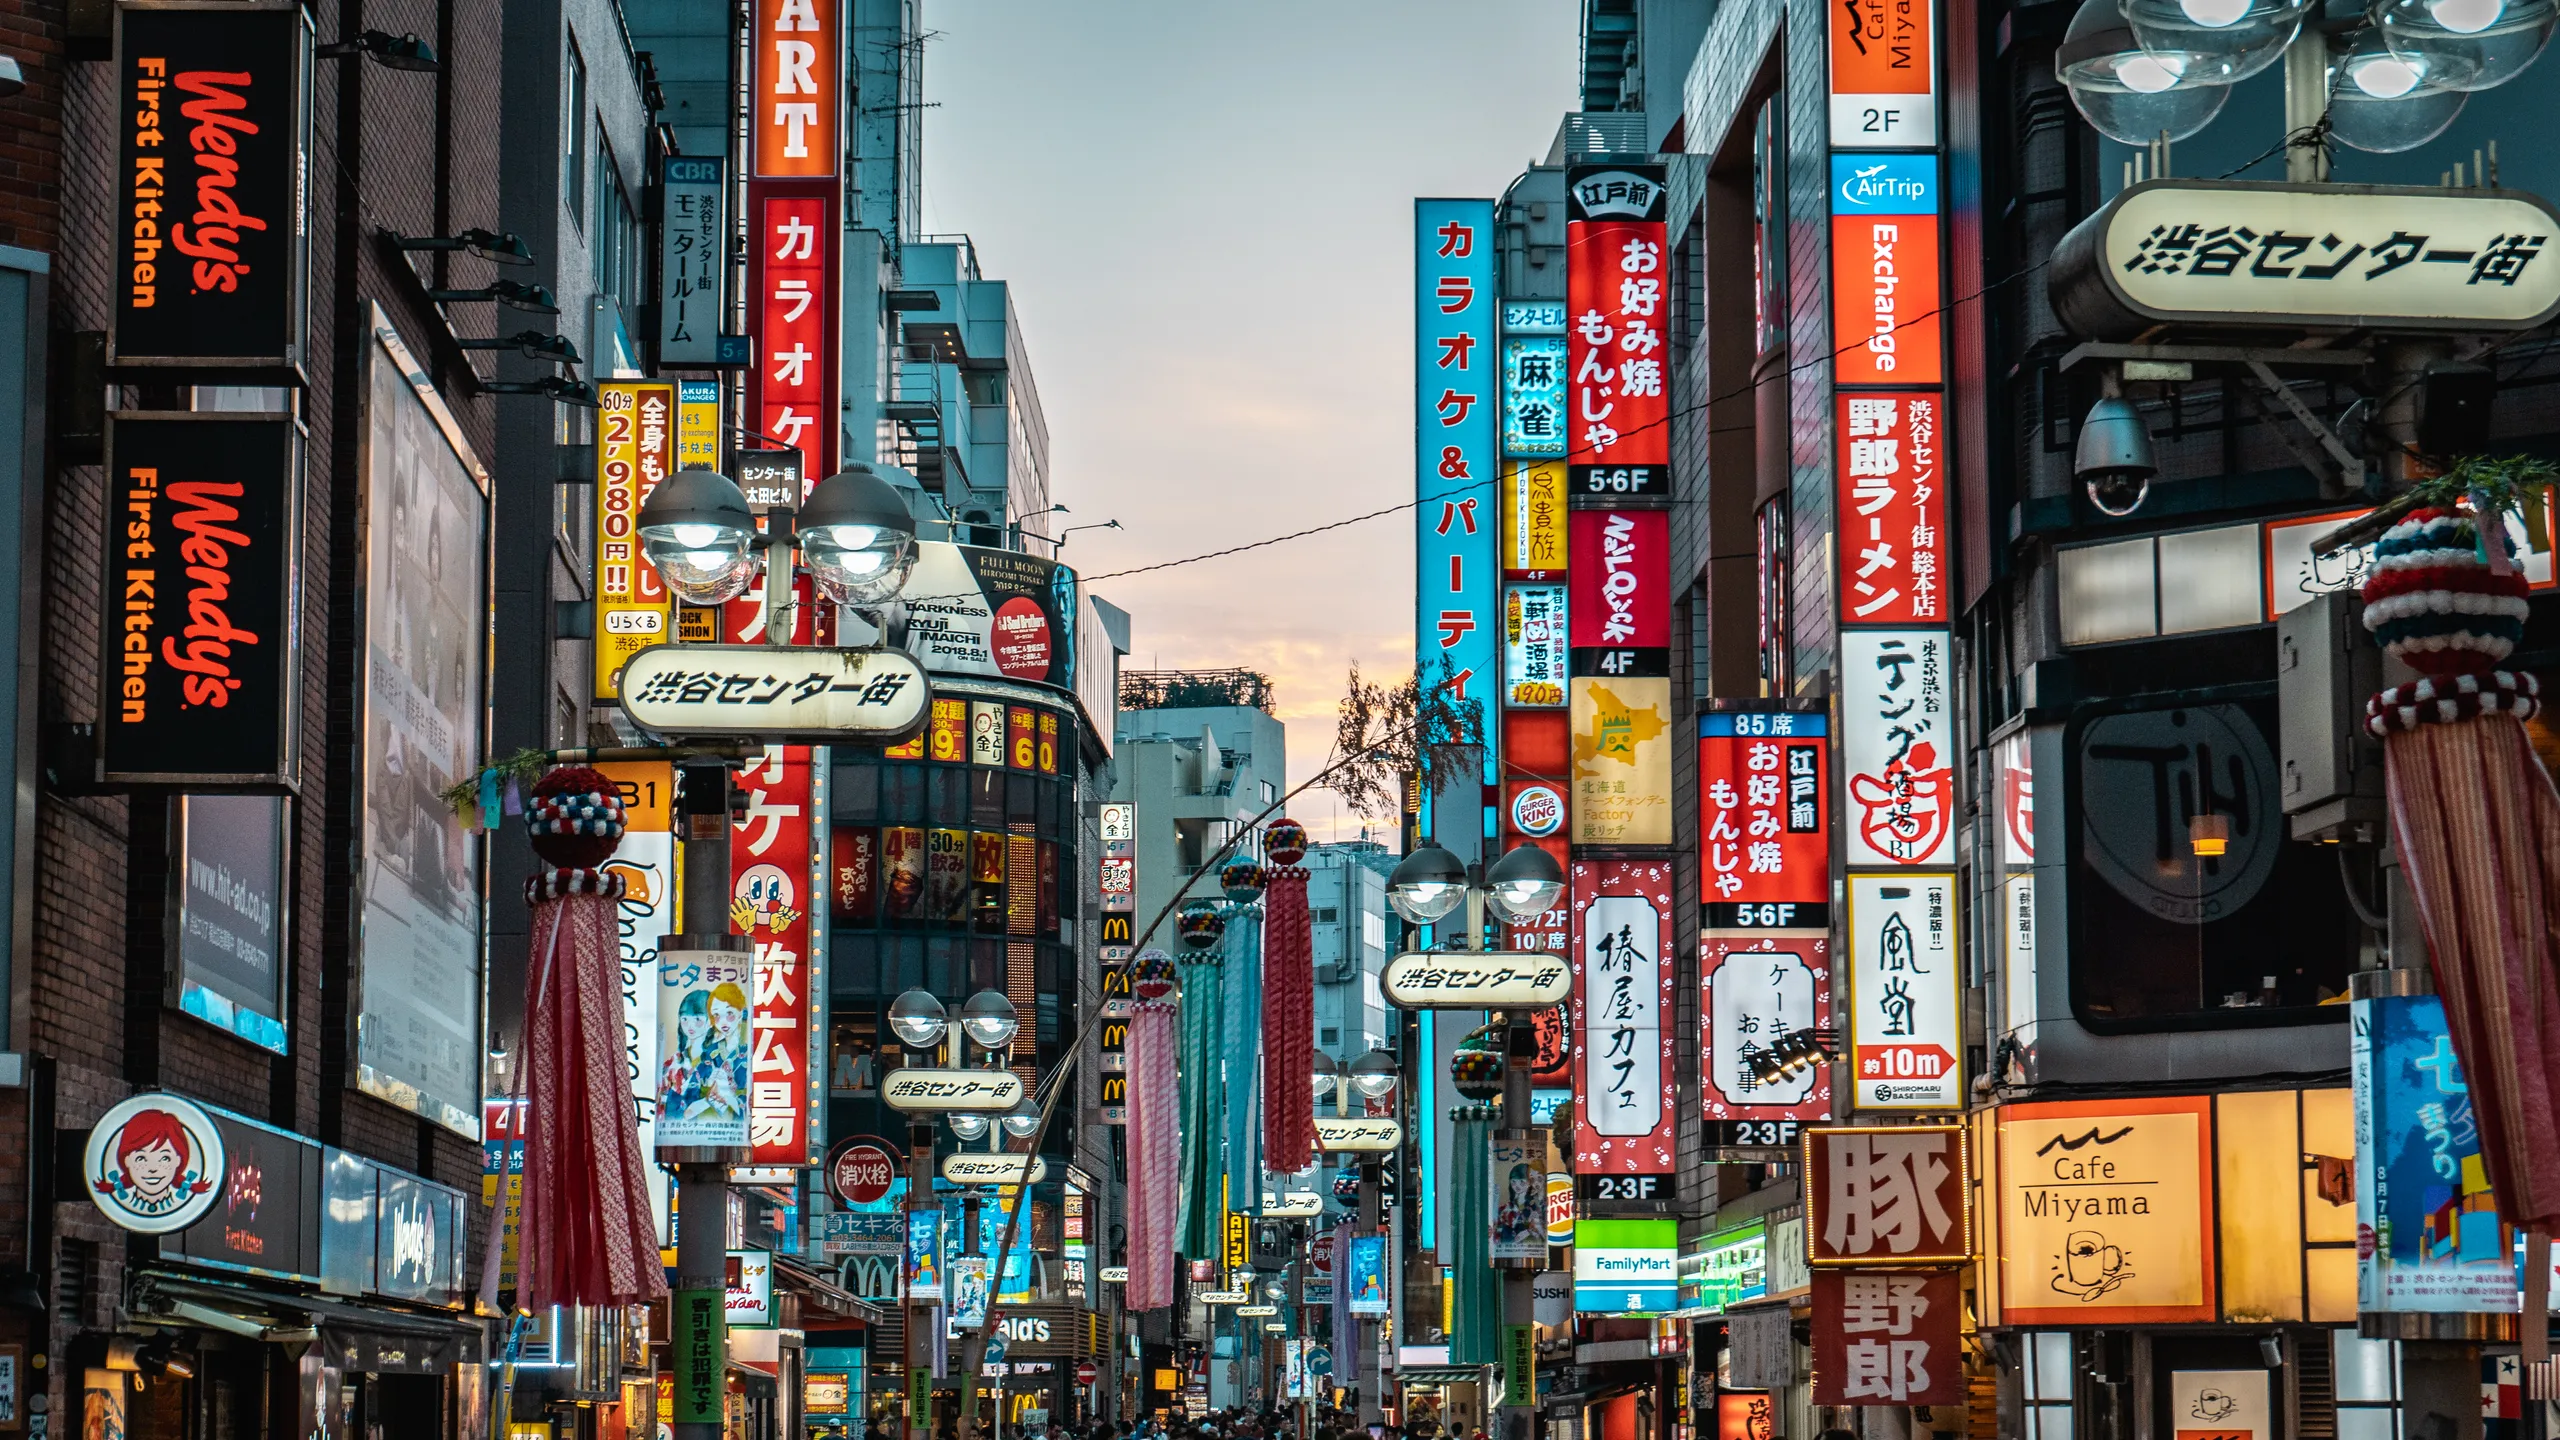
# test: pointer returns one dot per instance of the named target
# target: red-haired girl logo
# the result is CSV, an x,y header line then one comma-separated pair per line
x,y
154,1163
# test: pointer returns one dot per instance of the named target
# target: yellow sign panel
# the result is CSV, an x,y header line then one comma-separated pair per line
x,y
635,449
2106,1213
698,424
1533,511
1621,759
648,791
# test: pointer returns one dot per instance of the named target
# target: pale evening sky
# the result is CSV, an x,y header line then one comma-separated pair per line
x,y
1205,210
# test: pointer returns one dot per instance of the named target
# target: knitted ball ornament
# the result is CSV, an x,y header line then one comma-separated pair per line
x,y
574,817
1475,1068
1152,976
2434,603
1241,879
1200,927
1285,841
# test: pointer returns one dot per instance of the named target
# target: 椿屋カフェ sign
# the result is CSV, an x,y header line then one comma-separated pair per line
x,y
2360,257
776,692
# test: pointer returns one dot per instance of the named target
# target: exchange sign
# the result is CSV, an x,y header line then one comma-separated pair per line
x,y
1477,980
776,692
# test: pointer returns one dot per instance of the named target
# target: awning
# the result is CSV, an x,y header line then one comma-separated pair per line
x,y
1440,1374
815,1285
354,1336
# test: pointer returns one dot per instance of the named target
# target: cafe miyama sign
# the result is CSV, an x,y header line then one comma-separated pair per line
x,y
2379,257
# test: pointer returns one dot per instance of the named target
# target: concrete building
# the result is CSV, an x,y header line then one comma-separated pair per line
x,y
1198,772
1352,937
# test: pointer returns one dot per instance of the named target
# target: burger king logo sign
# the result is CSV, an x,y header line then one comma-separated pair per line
x,y
1537,811
154,1163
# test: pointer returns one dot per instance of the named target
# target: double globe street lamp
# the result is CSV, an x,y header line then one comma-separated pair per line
x,y
853,534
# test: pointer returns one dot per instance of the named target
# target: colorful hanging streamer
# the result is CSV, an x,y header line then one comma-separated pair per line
x,y
1155,1153
1289,1024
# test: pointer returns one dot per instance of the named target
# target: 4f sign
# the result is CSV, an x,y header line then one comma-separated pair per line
x,y
798,88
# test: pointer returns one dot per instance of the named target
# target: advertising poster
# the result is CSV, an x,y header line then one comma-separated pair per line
x,y
1897,744
1623,1078
418,1041
1884,270
703,1016
1519,1192
2106,1212
643,918
635,449
231,894
2429,1223
992,613
1618,311
1764,819
902,870
1892,507
1368,1277
1890,1338
1457,379
1755,991
968,1291
1906,991
1626,1266
924,1255
773,875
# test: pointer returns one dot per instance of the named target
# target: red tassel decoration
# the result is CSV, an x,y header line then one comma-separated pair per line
x,y
1288,1006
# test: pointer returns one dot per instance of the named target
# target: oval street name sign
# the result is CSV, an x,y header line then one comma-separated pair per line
x,y
984,1169
1477,980
1357,1134
1291,1207
916,1090
776,692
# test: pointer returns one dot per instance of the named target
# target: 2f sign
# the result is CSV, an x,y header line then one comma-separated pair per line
x,y
798,88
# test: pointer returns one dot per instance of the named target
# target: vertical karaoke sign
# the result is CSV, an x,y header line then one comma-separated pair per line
x,y
792,197
1457,369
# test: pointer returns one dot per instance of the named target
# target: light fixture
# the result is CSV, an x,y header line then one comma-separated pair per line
x,y
696,528
2209,834
2383,101
967,1125
2113,456
1021,1122
1096,525
514,294
494,246
1427,884
916,1017
531,344
857,536
2467,44
1524,883
391,52
12,79
2215,42
1324,1073
556,387
2131,93
1374,1074
1792,1054
990,1019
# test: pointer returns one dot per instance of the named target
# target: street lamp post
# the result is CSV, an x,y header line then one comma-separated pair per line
x,y
702,1172
1371,1077
1526,882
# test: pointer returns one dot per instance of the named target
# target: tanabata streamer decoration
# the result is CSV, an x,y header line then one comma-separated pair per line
x,y
1288,1004
1477,1307
587,1236
2477,826
1200,926
1204,1106
1475,1067
1155,1133
1241,879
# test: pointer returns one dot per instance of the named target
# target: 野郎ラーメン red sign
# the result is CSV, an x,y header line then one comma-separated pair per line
x,y
1617,320
211,246
1880,1196
154,1163
1893,509
1624,1111
199,615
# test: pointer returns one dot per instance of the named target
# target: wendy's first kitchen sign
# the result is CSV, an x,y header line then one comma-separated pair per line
x,y
198,650
213,102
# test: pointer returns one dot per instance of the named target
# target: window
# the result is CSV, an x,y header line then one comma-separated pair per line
x,y
1270,792
2045,1357
573,114
1324,915
1373,930
1777,578
2173,584
2368,1386
1332,1036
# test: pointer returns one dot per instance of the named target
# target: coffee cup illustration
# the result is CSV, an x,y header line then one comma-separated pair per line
x,y
2090,1267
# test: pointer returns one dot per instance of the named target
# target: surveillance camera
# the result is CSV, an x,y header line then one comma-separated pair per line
x,y
2113,457
2118,492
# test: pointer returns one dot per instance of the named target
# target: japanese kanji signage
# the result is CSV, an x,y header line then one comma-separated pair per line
x,y
916,1088
1619,692
1533,401
1884,74
1764,819
1358,1134
1906,991
1623,1114
798,65
2106,1212
1898,745
1618,311
775,692
1892,508
1887,1196
1533,509
2361,257
1888,1338
1476,979
773,875
791,275
1884,269
693,259
635,446
1621,569
1754,991
1457,375
1533,647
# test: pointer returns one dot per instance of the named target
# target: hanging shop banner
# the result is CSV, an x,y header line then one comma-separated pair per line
x,y
1623,1114
1898,743
2385,257
1617,289
1887,1196
924,1255
198,653
2106,1212
1368,1277
1892,507
644,917
703,1040
1455,457
1533,398
1755,990
1519,1194
1884,67
635,449
1533,647
1620,693
212,160
1890,1338
791,276
796,91
1764,819
773,875
693,258
992,613
775,693
1533,513
1884,269
420,1042
1621,760
2422,1192
1626,1266
1906,991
